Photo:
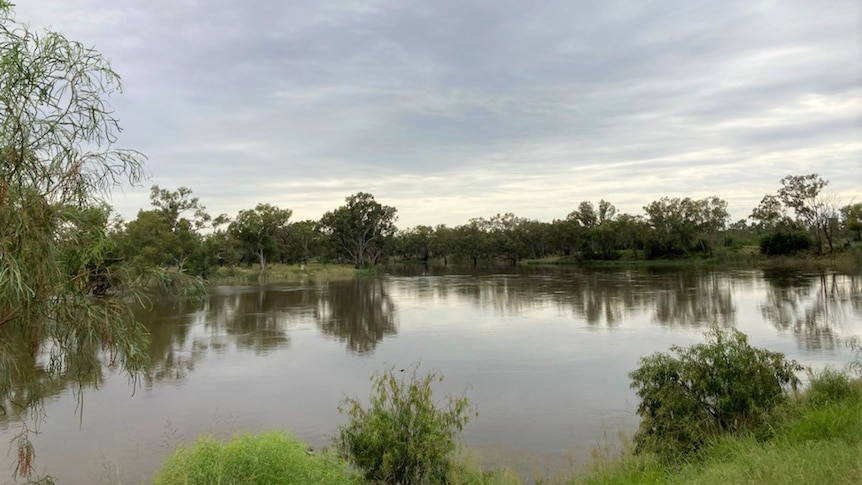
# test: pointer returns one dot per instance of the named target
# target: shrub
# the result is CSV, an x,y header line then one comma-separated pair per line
x,y
269,459
403,436
723,386
785,241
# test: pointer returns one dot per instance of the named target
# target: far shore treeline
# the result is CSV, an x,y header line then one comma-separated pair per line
x,y
799,218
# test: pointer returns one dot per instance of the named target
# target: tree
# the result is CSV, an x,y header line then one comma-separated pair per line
x,y
171,234
851,219
303,240
360,229
685,225
804,194
259,230
473,240
57,161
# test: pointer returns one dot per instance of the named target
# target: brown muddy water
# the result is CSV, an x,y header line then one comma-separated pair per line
x,y
543,353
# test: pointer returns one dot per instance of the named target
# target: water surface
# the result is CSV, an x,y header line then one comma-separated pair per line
x,y
543,353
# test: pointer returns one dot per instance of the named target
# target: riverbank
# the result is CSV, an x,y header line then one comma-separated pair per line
x,y
284,273
842,263
817,439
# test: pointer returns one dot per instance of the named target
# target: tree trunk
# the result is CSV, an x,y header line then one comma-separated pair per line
x,y
262,258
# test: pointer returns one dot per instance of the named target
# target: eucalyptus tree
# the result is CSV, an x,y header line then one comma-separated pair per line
x,y
361,229
443,242
303,240
259,231
804,194
416,242
681,225
58,161
171,233
473,239
851,218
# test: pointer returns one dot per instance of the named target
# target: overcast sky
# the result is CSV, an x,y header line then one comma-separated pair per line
x,y
452,109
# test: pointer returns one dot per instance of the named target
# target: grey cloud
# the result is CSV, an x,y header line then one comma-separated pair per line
x,y
470,106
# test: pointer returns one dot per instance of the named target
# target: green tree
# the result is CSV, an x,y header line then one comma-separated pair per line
x,y
415,243
304,240
683,225
171,233
259,230
57,161
804,194
361,229
851,219
473,239
443,242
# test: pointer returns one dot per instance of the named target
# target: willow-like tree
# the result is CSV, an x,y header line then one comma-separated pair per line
x,y
61,315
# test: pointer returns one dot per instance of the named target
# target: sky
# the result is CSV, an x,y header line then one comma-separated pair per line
x,y
453,109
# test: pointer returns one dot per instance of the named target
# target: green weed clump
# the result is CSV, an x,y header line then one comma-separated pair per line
x,y
273,458
404,436
695,394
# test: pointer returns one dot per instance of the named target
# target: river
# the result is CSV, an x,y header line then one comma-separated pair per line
x,y
543,353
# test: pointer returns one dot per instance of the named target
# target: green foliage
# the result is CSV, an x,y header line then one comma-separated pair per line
x,y
403,436
785,240
723,386
813,441
361,229
259,231
680,226
61,295
268,459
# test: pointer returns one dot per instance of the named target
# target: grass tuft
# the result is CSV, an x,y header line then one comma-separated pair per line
x,y
272,458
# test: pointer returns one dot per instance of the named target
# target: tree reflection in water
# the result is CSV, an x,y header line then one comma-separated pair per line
x,y
812,308
359,312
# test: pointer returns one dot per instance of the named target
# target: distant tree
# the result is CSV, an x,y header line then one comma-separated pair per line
x,y
681,225
171,233
360,229
585,214
508,237
632,232
769,214
851,216
566,235
259,230
473,239
415,243
443,242
804,194
304,240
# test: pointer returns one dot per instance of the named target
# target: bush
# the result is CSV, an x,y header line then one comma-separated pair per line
x,y
269,459
723,386
403,437
785,241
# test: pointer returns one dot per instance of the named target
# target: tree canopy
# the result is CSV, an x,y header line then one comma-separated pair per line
x,y
361,228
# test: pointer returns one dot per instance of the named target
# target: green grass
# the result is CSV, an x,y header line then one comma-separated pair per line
x,y
283,273
268,459
817,440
